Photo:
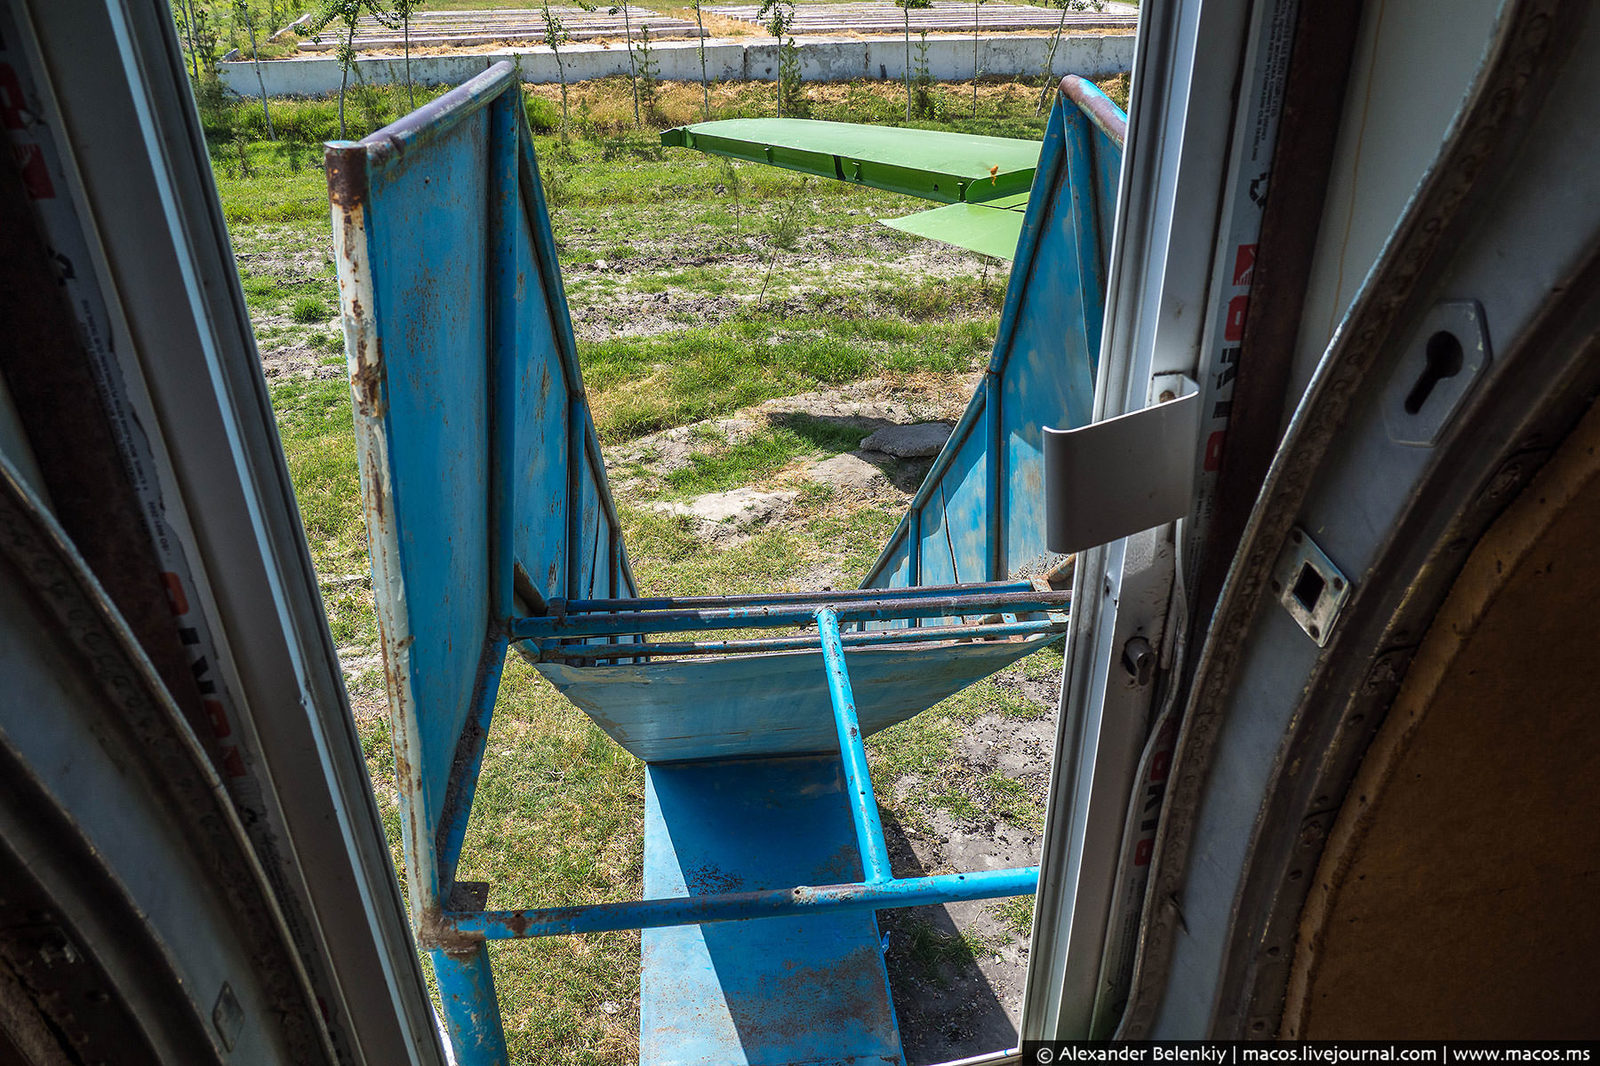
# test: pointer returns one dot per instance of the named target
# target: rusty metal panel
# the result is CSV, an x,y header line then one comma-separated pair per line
x,y
421,384
478,456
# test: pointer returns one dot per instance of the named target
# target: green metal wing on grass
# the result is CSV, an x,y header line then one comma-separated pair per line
x,y
982,181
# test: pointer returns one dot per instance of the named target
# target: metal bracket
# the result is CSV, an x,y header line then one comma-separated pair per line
x,y
1309,586
1114,478
1441,364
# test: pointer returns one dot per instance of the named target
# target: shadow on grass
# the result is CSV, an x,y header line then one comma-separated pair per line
x,y
946,1007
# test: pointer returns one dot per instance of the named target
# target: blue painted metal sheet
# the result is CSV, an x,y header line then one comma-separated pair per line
x,y
486,500
478,456
771,991
979,515
429,379
755,705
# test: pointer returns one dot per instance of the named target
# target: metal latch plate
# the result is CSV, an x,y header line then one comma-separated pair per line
x,y
1309,586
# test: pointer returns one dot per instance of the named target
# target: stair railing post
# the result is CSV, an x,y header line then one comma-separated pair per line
x,y
858,778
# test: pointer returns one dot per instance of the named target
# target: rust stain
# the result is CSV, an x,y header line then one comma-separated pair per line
x,y
346,168
434,931
1098,107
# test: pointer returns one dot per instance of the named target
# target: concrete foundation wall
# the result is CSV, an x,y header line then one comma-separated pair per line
x,y
822,59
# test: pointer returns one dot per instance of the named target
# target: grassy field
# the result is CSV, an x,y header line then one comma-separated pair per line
x,y
698,288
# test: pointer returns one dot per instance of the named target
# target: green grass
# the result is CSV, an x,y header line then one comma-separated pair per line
x,y
1016,914
762,455
642,384
279,182
937,954
309,309
558,819
318,434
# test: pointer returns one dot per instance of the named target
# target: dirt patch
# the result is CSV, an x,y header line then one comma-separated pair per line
x,y
636,469
957,971
821,275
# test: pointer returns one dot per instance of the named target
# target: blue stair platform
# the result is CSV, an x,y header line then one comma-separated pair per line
x,y
768,991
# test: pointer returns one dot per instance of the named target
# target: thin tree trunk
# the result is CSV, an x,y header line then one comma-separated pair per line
x,y
633,72
255,54
561,71
975,58
344,73
700,43
188,29
411,90
905,11
1050,60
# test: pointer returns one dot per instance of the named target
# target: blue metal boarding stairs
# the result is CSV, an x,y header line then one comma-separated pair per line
x,y
491,528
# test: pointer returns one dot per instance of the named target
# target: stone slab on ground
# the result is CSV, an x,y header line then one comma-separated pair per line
x,y
733,511
919,441
850,471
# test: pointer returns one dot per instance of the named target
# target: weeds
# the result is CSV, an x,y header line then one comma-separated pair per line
x,y
922,81
779,18
374,104
631,146
732,186
649,78
308,309
788,221
241,151
784,232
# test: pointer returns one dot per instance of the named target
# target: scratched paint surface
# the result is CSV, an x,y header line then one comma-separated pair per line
x,y
1052,348
1044,361
774,990
428,210
428,225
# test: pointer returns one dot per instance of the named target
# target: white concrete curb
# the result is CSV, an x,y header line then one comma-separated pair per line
x,y
822,59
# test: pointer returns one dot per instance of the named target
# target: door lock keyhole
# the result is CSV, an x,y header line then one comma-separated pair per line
x,y
1444,358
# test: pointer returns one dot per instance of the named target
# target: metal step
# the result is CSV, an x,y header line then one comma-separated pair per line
x,y
773,991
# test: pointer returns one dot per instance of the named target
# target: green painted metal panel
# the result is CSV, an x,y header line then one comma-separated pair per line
x,y
976,227
929,164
